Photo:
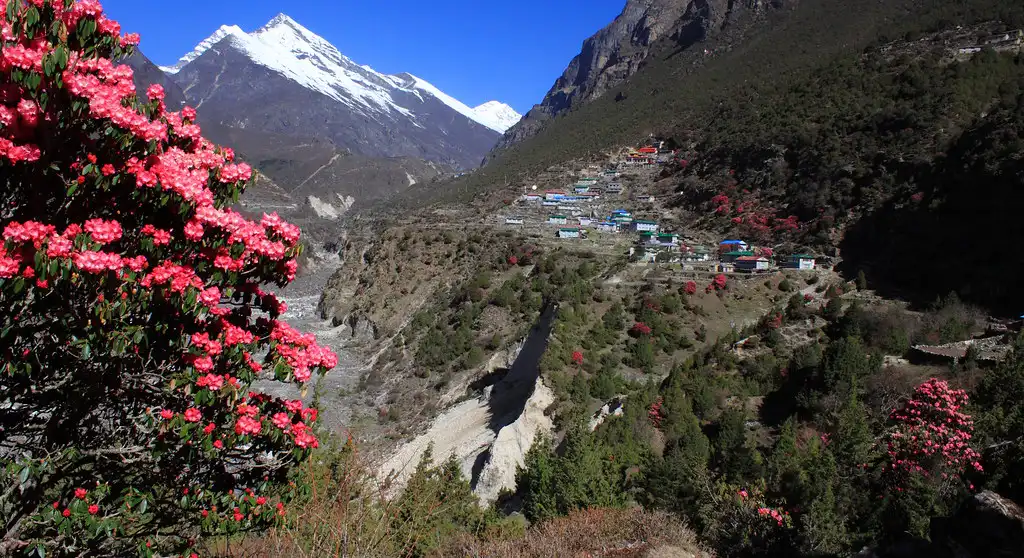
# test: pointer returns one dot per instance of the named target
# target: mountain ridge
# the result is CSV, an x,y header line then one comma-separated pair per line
x,y
364,89
610,57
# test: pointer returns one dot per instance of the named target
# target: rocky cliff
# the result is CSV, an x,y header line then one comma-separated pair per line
x,y
615,53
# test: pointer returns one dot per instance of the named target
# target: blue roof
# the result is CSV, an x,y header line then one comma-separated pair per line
x,y
733,242
620,211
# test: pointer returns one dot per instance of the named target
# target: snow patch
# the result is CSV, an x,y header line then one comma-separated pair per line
x,y
412,180
497,115
205,45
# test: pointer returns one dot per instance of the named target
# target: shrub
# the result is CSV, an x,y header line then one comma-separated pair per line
x,y
131,310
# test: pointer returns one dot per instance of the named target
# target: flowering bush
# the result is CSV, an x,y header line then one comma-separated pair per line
x,y
131,315
747,521
577,358
931,435
655,413
640,328
691,287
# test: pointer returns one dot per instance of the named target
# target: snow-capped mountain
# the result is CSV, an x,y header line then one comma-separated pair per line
x,y
497,115
285,79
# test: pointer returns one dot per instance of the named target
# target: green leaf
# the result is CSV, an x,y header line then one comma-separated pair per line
x,y
23,475
72,189
143,506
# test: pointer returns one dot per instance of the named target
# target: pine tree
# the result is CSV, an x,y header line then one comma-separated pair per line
x,y
784,464
535,480
584,476
822,530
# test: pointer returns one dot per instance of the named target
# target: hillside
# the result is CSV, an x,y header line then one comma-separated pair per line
x,y
843,120
757,406
610,58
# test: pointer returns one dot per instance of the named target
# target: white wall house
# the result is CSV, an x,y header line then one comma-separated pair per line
x,y
645,226
801,261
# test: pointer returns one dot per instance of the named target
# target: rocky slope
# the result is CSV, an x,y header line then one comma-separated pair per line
x,y
610,57
305,178
285,79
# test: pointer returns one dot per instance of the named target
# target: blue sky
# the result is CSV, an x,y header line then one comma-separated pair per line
x,y
474,50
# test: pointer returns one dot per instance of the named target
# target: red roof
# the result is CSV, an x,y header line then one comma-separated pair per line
x,y
647,150
751,259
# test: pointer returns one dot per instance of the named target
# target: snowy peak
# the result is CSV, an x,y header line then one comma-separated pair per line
x,y
286,47
205,45
497,115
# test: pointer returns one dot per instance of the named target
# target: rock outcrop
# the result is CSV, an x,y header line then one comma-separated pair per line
x,y
509,448
615,53
986,526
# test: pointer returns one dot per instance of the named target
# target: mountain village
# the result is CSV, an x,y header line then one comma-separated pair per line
x,y
599,209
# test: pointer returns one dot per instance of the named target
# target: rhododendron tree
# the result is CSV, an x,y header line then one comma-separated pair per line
x,y
640,328
132,319
691,287
577,358
931,435
655,413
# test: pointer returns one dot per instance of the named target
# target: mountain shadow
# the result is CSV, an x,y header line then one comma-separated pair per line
x,y
960,233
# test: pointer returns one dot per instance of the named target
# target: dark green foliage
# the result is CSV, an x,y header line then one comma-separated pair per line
x,y
436,504
583,476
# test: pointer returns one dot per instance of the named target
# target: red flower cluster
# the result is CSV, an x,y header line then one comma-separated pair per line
x,y
718,283
577,358
655,414
690,288
775,322
640,328
931,434
774,514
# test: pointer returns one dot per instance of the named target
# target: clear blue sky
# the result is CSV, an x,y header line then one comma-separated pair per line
x,y
474,50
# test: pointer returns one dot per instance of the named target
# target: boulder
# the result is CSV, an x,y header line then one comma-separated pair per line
x,y
986,526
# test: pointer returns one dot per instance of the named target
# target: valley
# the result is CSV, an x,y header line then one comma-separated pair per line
x,y
742,283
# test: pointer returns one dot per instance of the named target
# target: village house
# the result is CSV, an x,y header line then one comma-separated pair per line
x,y
697,254
647,150
641,225
549,203
585,221
733,246
557,220
513,220
581,188
532,197
801,261
726,267
608,226
554,195
731,257
751,264
614,188
568,233
668,238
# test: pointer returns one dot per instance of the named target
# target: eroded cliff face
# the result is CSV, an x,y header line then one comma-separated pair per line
x,y
615,53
